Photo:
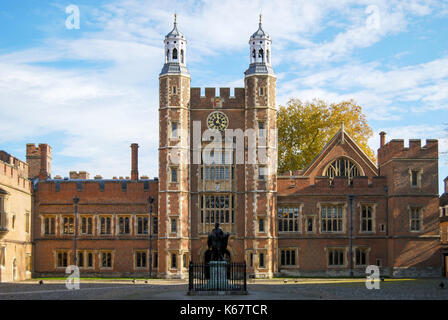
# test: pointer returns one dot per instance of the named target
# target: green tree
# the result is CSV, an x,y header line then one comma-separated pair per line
x,y
305,127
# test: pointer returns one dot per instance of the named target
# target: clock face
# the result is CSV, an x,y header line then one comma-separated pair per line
x,y
217,121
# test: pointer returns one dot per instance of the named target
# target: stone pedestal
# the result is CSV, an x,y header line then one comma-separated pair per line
x,y
218,276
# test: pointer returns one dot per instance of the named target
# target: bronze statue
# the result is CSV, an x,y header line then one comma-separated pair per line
x,y
217,243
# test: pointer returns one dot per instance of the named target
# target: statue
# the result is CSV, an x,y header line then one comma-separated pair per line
x,y
217,243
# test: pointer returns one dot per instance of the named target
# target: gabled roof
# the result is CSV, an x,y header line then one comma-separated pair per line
x,y
341,137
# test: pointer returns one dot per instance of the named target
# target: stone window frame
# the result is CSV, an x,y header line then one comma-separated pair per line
x,y
299,206
419,172
374,205
3,250
185,259
171,134
4,201
264,252
261,131
296,258
345,257
43,217
263,224
170,259
203,210
98,226
344,215
367,250
56,258
112,260
421,216
27,215
307,216
136,252
262,169
174,218
136,224
80,224
176,168
124,216
67,215
85,253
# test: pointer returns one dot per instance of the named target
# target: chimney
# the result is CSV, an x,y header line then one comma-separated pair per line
x,y
382,138
43,174
134,170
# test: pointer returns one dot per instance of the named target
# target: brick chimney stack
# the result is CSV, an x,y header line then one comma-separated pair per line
x,y
44,172
382,138
134,170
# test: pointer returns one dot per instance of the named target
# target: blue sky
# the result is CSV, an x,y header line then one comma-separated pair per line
x,y
91,92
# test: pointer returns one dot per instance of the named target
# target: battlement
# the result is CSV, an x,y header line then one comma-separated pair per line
x,y
294,185
33,151
396,149
212,100
79,175
96,190
14,172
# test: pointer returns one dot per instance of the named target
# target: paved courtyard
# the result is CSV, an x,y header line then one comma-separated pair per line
x,y
293,289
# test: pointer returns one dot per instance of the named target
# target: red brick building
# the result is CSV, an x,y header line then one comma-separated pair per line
x,y
335,217
444,227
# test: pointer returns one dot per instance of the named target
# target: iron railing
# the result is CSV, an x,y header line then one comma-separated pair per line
x,y
209,277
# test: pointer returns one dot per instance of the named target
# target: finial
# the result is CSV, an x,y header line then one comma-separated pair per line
x,y
260,19
342,125
175,18
342,133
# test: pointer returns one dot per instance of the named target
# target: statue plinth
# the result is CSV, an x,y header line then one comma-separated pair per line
x,y
218,276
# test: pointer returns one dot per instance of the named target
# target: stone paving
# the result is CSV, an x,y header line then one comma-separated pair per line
x,y
292,289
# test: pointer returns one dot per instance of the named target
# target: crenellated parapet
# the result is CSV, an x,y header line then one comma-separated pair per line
x,y
212,100
14,172
396,149
96,190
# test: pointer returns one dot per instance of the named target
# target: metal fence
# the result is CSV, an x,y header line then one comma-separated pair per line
x,y
217,277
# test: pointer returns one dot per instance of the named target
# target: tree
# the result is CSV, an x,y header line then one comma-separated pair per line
x,y
305,128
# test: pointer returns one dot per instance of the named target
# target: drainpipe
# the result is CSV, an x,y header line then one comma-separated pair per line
x,y
350,198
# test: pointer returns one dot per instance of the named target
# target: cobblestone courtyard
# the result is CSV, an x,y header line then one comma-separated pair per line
x,y
294,289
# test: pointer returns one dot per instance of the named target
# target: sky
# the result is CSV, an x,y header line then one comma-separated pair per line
x,y
91,91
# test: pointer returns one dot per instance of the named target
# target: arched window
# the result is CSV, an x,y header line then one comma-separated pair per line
x,y
167,55
342,167
260,54
182,56
253,53
174,54
267,56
